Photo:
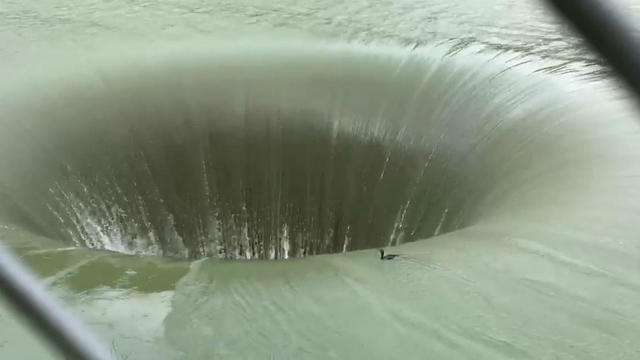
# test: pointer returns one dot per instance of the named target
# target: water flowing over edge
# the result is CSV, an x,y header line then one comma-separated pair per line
x,y
547,184
263,152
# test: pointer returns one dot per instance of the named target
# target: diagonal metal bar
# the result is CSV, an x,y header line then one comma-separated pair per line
x,y
609,31
57,326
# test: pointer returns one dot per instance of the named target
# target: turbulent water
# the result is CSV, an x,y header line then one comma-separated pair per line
x,y
144,146
269,152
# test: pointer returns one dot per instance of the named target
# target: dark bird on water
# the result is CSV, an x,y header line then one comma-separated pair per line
x,y
388,256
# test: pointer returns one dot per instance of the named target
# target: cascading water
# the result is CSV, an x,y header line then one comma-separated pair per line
x,y
255,154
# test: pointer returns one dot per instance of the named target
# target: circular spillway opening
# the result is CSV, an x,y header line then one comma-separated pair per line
x,y
268,153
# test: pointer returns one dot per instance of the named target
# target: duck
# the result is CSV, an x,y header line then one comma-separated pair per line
x,y
388,256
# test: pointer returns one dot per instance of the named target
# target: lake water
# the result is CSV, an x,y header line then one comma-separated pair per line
x,y
204,180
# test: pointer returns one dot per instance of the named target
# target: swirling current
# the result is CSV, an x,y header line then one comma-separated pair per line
x,y
132,175
260,153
